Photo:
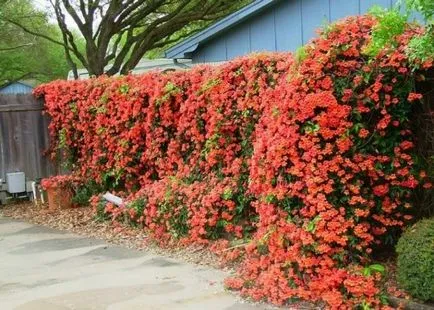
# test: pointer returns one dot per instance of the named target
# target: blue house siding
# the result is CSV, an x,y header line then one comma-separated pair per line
x,y
365,5
238,41
342,8
216,51
314,13
262,33
283,25
16,88
289,33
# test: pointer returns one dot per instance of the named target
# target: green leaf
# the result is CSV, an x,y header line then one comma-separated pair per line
x,y
377,268
227,194
311,226
366,272
369,270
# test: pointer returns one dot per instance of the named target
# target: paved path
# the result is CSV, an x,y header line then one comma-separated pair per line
x,y
41,268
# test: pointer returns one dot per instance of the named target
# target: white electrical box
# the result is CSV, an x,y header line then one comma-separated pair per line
x,y
16,182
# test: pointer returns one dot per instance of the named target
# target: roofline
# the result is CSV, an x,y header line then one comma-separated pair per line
x,y
15,82
189,45
145,65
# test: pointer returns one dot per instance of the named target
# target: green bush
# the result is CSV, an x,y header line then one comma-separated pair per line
x,y
416,260
84,192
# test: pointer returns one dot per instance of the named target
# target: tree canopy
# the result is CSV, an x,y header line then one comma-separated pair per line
x,y
24,55
118,33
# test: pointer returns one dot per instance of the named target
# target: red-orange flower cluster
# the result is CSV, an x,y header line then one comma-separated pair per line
x,y
312,161
60,181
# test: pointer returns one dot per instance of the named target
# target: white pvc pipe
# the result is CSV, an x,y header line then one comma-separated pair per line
x,y
35,197
41,192
113,199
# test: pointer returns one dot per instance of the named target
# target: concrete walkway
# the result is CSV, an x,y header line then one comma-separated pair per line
x,y
45,269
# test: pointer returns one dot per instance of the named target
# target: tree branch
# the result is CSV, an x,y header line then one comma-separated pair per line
x,y
68,39
25,75
122,31
15,47
165,26
25,29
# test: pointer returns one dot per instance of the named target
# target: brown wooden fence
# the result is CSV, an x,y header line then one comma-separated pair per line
x,y
23,137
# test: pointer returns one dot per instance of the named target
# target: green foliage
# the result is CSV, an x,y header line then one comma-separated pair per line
x,y
422,47
24,55
62,139
300,54
391,23
124,89
425,7
138,206
84,192
170,90
209,85
111,180
371,269
311,226
178,225
100,214
416,260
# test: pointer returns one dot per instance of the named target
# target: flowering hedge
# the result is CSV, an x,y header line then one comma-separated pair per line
x,y
60,181
150,131
310,161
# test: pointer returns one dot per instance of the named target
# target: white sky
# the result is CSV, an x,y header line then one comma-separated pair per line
x,y
44,5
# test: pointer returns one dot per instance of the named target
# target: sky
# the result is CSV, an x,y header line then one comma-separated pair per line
x,y
44,5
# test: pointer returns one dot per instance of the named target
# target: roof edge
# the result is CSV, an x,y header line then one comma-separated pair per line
x,y
16,82
189,45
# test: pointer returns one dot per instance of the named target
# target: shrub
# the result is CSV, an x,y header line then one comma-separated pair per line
x,y
416,260
99,206
84,191
391,24
60,181
312,163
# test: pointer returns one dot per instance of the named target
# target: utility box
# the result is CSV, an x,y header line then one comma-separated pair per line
x,y
16,182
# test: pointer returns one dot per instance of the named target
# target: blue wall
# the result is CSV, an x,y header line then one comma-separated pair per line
x,y
285,26
16,88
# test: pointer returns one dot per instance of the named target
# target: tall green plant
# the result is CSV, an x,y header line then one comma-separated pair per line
x,y
425,7
391,24
422,47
